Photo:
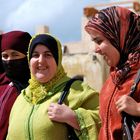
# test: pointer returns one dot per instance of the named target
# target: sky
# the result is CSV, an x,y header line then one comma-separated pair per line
x,y
63,17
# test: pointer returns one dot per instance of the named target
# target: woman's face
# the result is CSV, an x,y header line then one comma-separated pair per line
x,y
11,55
42,64
105,48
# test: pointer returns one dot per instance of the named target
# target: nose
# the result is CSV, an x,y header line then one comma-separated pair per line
x,y
41,59
98,50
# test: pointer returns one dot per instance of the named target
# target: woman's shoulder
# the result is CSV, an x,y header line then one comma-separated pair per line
x,y
20,100
83,87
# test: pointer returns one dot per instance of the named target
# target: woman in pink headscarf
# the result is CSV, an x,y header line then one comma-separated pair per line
x,y
14,78
116,32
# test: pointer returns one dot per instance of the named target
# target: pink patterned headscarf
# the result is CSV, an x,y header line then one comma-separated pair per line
x,y
121,27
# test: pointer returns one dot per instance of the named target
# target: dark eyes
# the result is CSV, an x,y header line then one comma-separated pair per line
x,y
35,55
46,55
5,56
97,40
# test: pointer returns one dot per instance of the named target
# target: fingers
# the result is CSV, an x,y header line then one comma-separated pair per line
x,y
127,104
53,108
55,112
52,111
120,107
121,103
59,113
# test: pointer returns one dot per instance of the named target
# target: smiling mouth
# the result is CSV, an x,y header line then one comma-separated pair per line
x,y
42,68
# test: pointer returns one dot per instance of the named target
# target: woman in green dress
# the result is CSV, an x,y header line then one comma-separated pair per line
x,y
36,115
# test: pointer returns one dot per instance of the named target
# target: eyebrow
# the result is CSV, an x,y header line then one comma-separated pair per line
x,y
13,52
43,52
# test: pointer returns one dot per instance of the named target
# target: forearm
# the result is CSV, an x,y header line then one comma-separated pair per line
x,y
73,121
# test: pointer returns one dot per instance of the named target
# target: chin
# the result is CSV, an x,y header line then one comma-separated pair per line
x,y
110,64
42,80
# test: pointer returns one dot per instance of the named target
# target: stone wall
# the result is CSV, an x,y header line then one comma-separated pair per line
x,y
92,67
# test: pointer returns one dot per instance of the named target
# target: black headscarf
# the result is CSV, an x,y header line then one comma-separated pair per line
x,y
46,40
16,70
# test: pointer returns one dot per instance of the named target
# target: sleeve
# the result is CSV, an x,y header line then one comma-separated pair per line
x,y
88,115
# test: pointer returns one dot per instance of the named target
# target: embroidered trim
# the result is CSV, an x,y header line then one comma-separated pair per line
x,y
84,132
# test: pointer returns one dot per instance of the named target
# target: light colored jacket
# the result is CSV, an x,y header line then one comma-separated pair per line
x,y
30,121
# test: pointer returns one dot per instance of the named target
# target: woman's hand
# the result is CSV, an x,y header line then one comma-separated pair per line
x,y
129,105
62,113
